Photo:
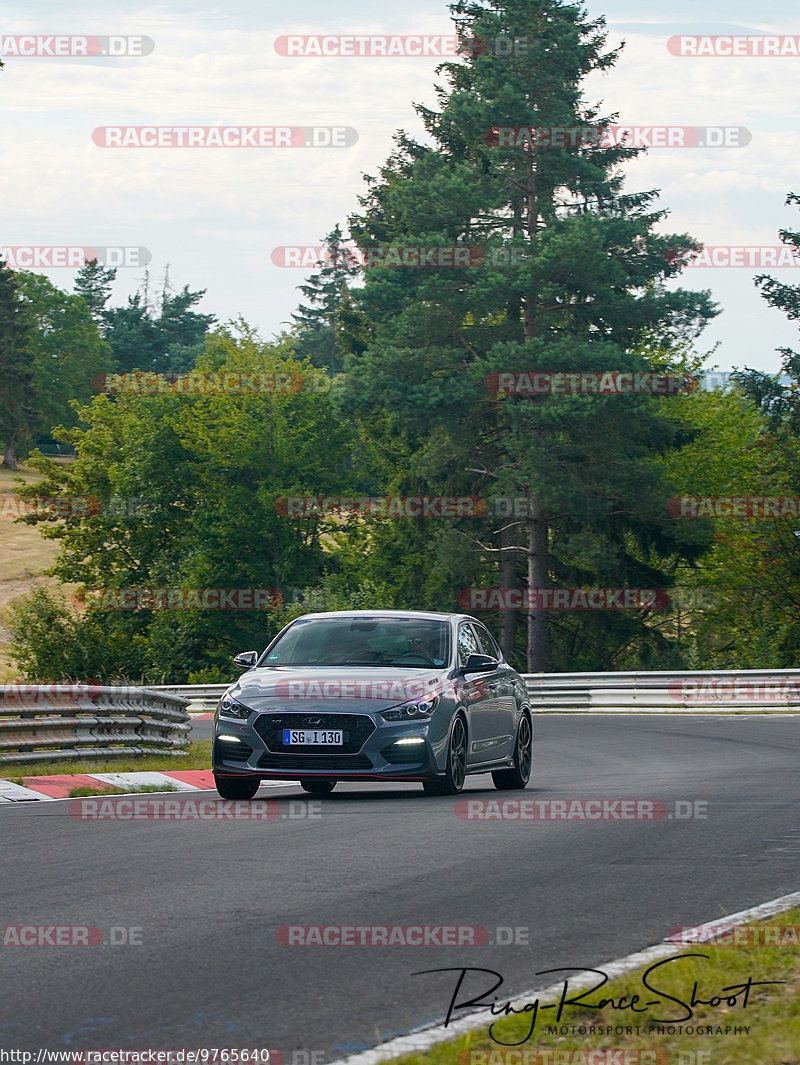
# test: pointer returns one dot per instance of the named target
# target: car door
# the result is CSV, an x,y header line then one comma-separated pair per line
x,y
480,700
502,686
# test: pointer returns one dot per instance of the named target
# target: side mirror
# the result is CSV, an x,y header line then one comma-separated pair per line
x,y
246,659
480,664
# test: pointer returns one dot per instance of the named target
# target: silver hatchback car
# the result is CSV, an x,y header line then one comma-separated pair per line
x,y
374,695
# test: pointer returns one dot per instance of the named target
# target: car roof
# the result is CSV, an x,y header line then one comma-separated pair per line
x,y
429,615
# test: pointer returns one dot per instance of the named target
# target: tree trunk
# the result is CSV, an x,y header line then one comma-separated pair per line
x,y
537,523
507,619
10,459
537,579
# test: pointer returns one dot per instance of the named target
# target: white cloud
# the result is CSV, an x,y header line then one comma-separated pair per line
x,y
215,214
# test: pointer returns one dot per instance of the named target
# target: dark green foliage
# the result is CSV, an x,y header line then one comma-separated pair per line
x,y
187,491
16,369
319,320
166,339
93,285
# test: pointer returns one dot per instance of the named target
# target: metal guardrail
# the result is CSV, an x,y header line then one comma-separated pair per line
x,y
689,691
202,698
80,721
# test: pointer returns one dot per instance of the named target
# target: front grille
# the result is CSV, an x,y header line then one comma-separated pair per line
x,y
341,762
356,729
231,752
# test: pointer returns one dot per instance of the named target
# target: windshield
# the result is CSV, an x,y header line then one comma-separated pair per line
x,y
349,641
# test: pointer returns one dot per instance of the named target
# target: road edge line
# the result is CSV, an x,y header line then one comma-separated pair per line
x,y
430,1035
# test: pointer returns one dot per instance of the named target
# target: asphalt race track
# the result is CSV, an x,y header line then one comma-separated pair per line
x,y
206,898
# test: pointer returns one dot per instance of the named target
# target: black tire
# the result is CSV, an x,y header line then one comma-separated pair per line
x,y
318,787
453,780
433,787
236,787
519,775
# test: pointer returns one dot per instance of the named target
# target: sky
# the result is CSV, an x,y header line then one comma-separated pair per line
x,y
213,216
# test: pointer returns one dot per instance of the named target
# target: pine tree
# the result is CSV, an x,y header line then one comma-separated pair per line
x,y
328,294
182,329
167,337
93,285
572,279
16,367
778,401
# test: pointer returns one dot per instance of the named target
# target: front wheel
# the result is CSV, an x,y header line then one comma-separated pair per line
x,y
318,787
236,787
518,776
453,781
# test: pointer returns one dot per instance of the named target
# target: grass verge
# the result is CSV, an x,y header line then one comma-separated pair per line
x,y
763,951
198,757
82,793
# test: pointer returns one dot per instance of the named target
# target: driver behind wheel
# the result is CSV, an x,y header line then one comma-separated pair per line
x,y
427,644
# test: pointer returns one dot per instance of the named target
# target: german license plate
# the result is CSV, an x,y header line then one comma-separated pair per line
x,y
315,737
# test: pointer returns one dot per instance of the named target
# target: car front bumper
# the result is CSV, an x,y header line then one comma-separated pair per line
x,y
370,748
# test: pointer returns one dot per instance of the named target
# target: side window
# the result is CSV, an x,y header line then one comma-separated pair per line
x,y
487,642
467,644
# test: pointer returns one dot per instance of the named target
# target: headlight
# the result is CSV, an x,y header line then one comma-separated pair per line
x,y
417,708
228,707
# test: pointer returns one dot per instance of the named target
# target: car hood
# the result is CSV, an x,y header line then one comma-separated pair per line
x,y
335,687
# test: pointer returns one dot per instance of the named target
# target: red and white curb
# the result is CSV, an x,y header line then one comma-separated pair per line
x,y
59,787
431,1035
